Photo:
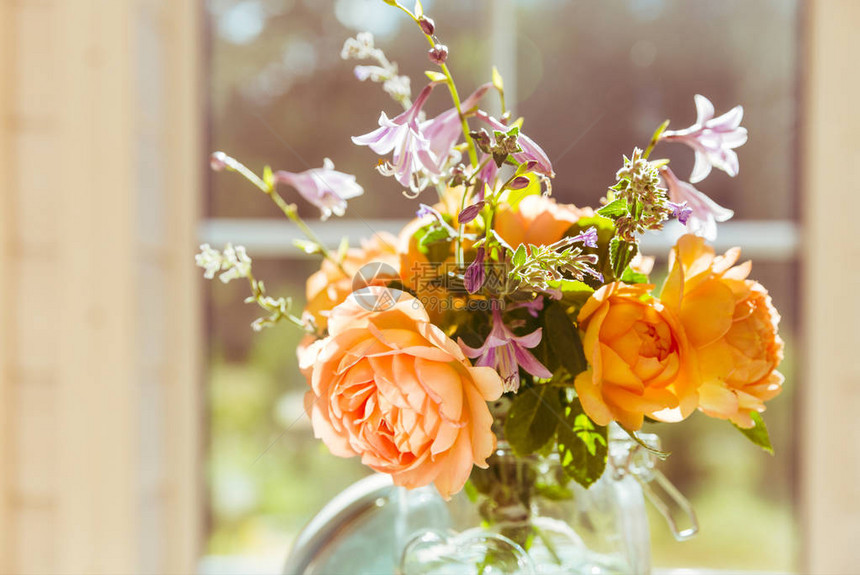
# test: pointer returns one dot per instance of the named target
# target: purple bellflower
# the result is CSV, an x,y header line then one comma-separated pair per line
x,y
506,353
325,187
444,131
713,139
404,135
701,213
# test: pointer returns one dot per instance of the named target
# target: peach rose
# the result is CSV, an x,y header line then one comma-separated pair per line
x,y
536,220
732,325
330,285
391,387
639,360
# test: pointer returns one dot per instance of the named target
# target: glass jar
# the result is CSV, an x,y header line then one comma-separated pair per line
x,y
523,515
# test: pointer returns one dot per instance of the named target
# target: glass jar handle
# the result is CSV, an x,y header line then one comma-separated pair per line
x,y
641,464
671,504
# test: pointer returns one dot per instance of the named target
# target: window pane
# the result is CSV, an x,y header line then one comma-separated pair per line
x,y
593,78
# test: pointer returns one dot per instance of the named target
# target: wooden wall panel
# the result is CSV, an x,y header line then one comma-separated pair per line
x,y
830,427
100,160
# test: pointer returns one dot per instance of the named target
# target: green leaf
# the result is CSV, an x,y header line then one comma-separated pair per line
x,y
573,293
433,235
758,432
631,277
419,9
582,445
532,419
621,253
563,337
614,209
435,76
498,82
519,257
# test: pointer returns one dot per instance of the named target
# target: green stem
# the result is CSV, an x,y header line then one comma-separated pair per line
x,y
452,87
464,124
289,210
655,139
455,96
259,294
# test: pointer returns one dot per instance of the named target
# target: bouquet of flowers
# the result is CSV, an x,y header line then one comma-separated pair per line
x,y
500,315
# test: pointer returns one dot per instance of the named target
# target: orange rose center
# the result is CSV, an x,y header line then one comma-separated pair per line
x,y
655,339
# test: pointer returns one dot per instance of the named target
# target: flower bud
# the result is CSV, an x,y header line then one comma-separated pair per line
x,y
218,161
519,183
469,213
438,54
427,25
475,274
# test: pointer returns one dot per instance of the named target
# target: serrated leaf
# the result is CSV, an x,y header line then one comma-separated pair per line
x,y
758,432
583,446
563,337
498,81
532,419
621,253
614,209
519,257
435,76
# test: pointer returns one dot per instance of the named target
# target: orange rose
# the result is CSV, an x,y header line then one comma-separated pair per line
x,y
536,220
330,285
391,387
639,360
731,323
